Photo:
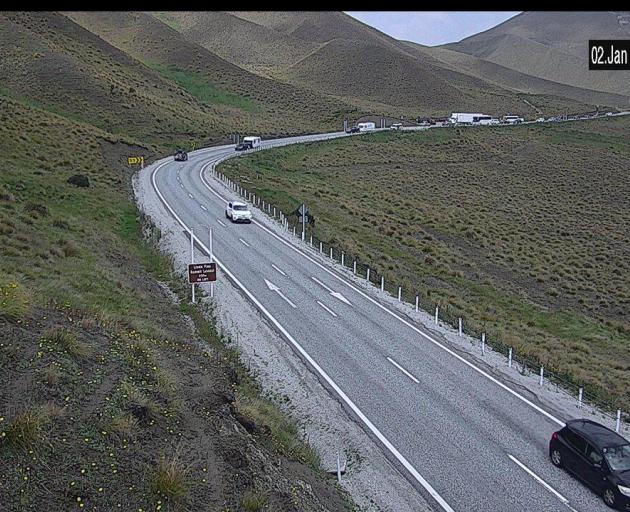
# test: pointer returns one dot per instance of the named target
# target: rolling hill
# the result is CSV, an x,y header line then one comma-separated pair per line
x,y
334,54
553,46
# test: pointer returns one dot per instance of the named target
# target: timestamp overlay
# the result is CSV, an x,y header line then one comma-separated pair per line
x,y
608,54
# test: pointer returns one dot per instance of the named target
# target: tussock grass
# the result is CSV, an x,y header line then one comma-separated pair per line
x,y
14,300
67,340
27,429
125,426
253,501
170,477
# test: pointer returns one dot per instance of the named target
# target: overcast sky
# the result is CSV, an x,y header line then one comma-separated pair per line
x,y
432,27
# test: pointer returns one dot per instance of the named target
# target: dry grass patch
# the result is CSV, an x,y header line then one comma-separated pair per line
x,y
67,341
170,477
27,429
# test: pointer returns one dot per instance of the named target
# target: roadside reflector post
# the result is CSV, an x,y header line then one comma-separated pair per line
x,y
417,301
459,321
483,344
399,293
343,257
618,427
263,204
294,235
192,260
274,212
338,468
367,274
542,375
331,254
311,240
436,314
321,247
354,267
580,392
510,357
382,283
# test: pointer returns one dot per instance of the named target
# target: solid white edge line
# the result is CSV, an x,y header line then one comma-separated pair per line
x,y
388,311
244,242
403,370
278,270
327,308
388,445
540,480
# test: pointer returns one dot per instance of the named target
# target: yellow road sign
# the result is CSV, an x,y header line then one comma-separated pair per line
x,y
135,160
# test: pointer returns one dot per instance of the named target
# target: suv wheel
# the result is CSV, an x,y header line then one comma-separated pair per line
x,y
226,215
556,458
610,498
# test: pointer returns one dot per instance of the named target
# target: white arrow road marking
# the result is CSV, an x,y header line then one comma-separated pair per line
x,y
274,288
204,208
541,481
244,242
403,370
336,295
327,309
220,222
278,270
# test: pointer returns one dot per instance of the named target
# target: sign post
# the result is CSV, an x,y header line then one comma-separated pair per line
x,y
192,261
303,211
212,262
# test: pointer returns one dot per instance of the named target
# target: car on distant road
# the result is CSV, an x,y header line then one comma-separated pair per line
x,y
396,126
597,456
540,120
180,156
243,146
238,212
352,129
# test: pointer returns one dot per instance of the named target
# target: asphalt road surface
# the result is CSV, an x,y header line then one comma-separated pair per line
x,y
461,437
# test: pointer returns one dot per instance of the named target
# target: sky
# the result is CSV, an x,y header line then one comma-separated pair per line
x,y
432,27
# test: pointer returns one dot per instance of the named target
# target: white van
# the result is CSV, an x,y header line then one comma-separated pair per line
x,y
254,142
365,127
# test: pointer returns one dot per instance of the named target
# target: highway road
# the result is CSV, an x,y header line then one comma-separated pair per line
x,y
463,438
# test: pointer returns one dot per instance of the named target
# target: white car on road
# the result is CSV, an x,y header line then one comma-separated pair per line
x,y
238,212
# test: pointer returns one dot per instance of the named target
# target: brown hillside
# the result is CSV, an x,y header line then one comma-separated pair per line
x,y
553,46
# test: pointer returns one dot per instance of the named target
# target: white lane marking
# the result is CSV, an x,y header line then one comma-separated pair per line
x,y
190,195
403,370
335,294
327,309
244,242
362,417
391,313
181,185
221,223
204,208
541,481
276,289
278,270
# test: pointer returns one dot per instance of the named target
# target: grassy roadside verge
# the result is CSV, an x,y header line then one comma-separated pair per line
x,y
520,231
109,397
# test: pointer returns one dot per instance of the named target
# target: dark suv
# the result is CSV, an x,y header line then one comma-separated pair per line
x,y
596,455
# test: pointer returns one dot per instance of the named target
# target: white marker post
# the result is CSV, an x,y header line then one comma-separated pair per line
x,y
192,260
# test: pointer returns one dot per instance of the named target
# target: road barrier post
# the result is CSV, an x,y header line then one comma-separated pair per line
x,y
293,230
274,212
311,240
483,344
581,390
618,427
459,330
399,293
367,274
417,300
436,314
382,283
331,253
542,375
510,357
343,257
354,267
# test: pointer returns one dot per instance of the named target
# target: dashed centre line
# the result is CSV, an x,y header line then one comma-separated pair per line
x,y
276,268
244,242
327,309
403,370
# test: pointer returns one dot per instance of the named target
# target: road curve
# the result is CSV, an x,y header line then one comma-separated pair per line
x,y
465,440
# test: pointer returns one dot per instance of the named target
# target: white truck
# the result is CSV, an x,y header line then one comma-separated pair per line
x,y
366,127
253,142
469,118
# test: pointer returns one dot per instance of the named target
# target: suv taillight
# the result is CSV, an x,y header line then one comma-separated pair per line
x,y
554,436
